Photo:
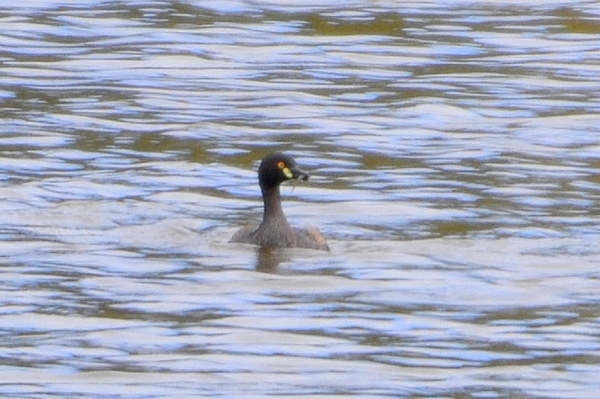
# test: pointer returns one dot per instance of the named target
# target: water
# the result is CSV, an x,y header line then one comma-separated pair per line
x,y
455,154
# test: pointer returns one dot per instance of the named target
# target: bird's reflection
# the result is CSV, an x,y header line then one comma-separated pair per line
x,y
267,260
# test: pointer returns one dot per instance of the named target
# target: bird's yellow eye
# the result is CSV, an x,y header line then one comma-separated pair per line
x,y
281,165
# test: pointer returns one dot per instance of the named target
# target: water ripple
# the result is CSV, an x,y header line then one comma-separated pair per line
x,y
454,161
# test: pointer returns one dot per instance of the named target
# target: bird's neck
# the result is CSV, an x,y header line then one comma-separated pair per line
x,y
272,200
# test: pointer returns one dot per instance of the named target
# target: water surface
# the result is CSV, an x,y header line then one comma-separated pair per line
x,y
455,157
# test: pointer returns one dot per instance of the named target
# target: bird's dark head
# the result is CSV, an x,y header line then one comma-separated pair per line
x,y
278,167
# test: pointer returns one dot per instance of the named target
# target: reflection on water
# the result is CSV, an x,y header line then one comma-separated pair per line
x,y
454,155
268,260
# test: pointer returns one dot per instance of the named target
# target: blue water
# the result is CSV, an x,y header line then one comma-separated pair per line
x,y
454,153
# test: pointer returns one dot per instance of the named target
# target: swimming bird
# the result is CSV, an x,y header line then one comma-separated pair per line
x,y
274,230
